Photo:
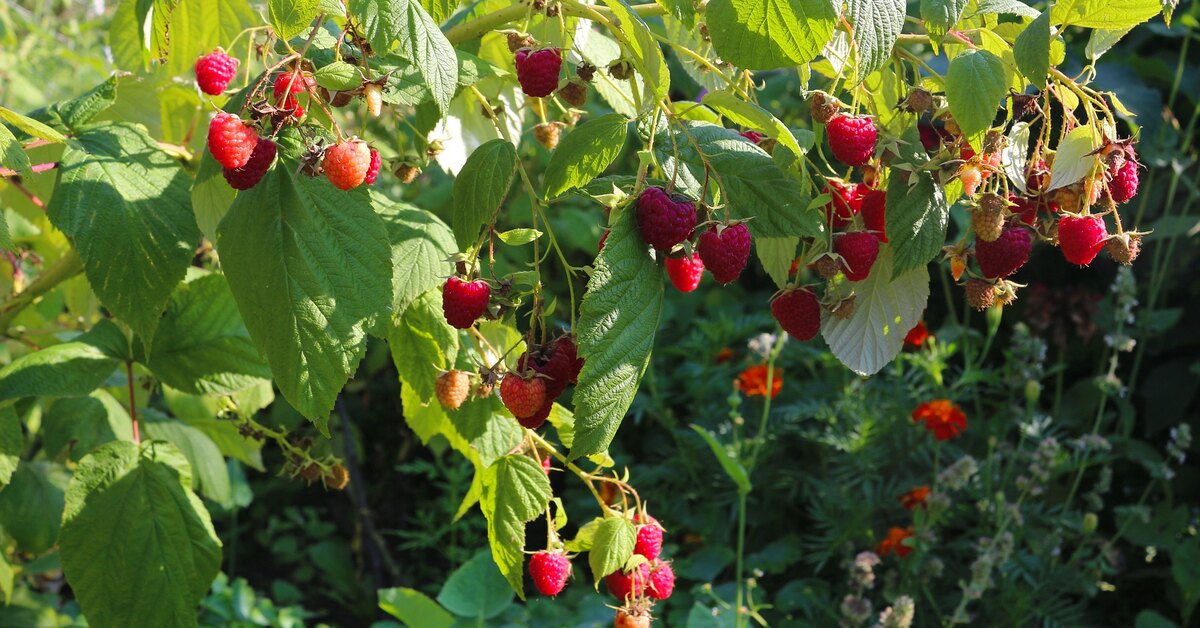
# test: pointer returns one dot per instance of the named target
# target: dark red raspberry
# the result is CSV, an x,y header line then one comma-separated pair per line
x,y
874,213
1124,184
624,586
537,71
464,302
754,136
845,202
536,419
214,71
663,219
725,251
858,251
1081,238
852,139
649,539
250,174
1004,255
373,169
523,395
798,312
230,140
565,345
556,362
550,571
662,580
1025,209
685,271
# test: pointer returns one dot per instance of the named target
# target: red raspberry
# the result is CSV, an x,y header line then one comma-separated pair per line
x,y
214,71
537,71
1081,238
798,312
566,346
1025,209
550,571
725,251
1124,184
845,203
624,586
664,220
754,136
250,174
464,302
1037,176
932,137
649,539
852,139
373,169
858,251
536,419
555,367
662,580
874,213
230,140
685,272
346,164
287,86
523,396
1004,255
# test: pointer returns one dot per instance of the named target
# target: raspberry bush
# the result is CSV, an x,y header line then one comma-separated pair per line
x,y
245,214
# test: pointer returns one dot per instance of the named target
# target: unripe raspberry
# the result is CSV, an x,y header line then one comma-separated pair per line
x,y
464,302
373,95
852,139
971,176
918,101
823,107
664,220
452,388
1124,248
230,140
338,477
621,70
517,41
537,71
827,266
548,134
981,293
799,313
214,71
636,615
987,219
725,249
549,571
574,93
346,164
250,174
407,173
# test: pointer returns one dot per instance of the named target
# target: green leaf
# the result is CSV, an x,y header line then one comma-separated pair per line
x,y
480,188
1108,14
1008,7
732,466
12,153
877,24
6,579
612,545
1185,569
975,83
439,10
647,56
916,222
291,17
768,34
488,427
137,546
1102,40
124,205
1072,159
81,424
198,26
476,590
80,110
563,421
585,153
617,322
519,237
209,473
70,369
1032,50
31,127
12,443
776,256
31,506
941,15
750,115
338,76
211,196
421,42
206,413
515,491
202,346
310,269
884,310
421,244
422,344
414,608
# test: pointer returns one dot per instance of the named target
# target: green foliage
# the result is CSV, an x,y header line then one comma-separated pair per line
x,y
480,188
761,35
584,153
515,491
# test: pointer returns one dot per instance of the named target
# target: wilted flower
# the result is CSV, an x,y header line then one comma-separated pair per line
x,y
763,344
753,381
942,417
863,572
899,615
855,609
894,542
915,497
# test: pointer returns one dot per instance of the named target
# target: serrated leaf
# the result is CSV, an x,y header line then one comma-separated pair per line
x,y
310,270
776,256
12,443
975,83
73,368
515,491
421,244
768,34
137,545
750,115
1072,161
414,608
124,205
916,217
480,188
1032,50
617,322
421,42
612,545
646,53
422,343
585,153
1007,7
488,426
78,111
732,467
31,506
198,26
476,590
1109,14
209,474
519,237
12,154
884,310
1015,156
1103,40
30,126
81,424
877,25
211,196
206,413
338,76
941,15
291,17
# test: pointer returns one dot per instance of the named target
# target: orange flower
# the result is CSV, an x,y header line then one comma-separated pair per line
x,y
914,498
753,381
942,417
894,542
917,336
725,355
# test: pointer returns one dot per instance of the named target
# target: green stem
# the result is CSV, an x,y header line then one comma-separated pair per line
x,y
739,618
65,268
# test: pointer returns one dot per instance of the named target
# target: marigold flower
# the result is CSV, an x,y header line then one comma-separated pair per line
x,y
917,336
893,543
753,381
942,417
914,498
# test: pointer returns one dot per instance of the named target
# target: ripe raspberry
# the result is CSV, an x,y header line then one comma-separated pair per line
x,y
1124,184
214,71
1025,209
971,176
452,388
250,174
932,137
1081,238
574,93
1037,176
523,396
287,86
685,272
346,164
548,134
552,365
537,71
373,168
664,220
981,293
874,213
987,219
662,580
230,140
649,539
464,302
754,136
1124,248
536,419
565,345
725,251
799,313
373,95
852,139
1006,254
550,571
624,586
846,200
858,250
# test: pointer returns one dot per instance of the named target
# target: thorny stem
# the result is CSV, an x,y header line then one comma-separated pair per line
x,y
572,467
5,172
